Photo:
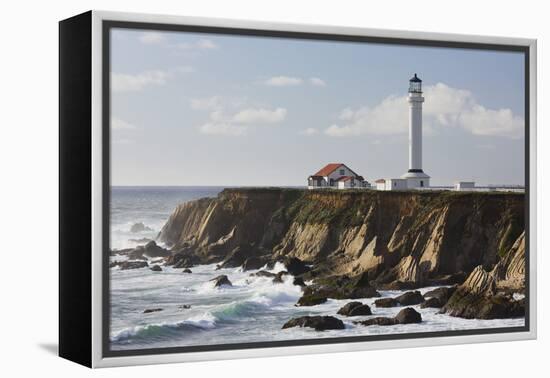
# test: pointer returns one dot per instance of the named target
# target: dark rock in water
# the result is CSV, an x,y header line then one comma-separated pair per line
x,y
184,307
122,252
311,298
358,287
408,315
238,256
319,323
386,302
348,307
279,277
253,263
125,265
360,311
114,264
343,287
442,294
438,297
149,310
156,268
186,270
184,263
381,321
184,258
298,281
221,280
432,302
470,305
410,298
263,273
150,249
295,266
175,258
137,253
355,309
270,264
139,227
153,250
398,285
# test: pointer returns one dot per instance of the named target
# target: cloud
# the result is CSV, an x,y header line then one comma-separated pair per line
x,y
283,81
121,130
118,124
152,38
250,116
136,82
309,131
201,44
236,122
206,44
482,121
315,81
445,107
289,81
158,38
122,82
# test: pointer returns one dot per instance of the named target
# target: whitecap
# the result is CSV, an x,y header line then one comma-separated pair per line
x,y
204,321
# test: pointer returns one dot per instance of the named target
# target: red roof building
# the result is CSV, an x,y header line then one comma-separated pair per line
x,y
337,176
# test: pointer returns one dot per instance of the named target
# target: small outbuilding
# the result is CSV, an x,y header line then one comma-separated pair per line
x,y
391,184
464,185
380,184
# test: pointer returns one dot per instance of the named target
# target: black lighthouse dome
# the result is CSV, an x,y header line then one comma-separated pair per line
x,y
415,85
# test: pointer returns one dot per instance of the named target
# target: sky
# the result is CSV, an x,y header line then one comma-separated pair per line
x,y
207,109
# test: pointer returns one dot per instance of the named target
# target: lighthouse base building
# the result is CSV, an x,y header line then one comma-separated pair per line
x,y
416,180
403,183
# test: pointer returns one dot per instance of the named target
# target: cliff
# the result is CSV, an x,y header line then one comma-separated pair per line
x,y
398,239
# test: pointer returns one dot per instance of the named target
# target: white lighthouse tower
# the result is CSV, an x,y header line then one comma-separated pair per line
x,y
415,176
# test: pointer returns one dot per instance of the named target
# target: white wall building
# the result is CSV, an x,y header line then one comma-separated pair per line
x,y
392,184
349,182
336,176
464,185
380,184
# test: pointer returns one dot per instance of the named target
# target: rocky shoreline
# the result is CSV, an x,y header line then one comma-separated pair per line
x,y
350,245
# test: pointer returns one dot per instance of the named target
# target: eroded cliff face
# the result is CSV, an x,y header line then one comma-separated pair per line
x,y
398,238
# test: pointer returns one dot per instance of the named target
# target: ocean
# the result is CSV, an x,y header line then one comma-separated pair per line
x,y
194,312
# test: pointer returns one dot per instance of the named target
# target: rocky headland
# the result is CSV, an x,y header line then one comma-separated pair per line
x,y
351,244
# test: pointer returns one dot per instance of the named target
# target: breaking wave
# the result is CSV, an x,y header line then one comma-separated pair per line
x,y
266,298
153,332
